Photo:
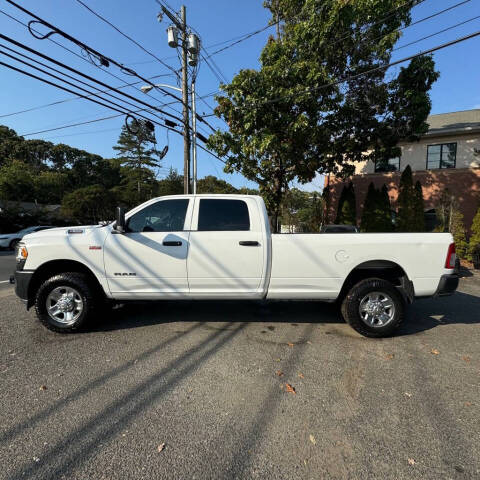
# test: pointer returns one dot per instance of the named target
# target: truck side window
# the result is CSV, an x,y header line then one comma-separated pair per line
x,y
223,215
163,216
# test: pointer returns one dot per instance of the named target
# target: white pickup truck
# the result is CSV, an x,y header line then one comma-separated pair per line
x,y
220,247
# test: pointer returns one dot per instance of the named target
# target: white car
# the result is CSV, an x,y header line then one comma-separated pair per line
x,y
10,240
220,247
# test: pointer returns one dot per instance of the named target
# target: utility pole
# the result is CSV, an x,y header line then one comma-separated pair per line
x,y
194,139
181,24
186,121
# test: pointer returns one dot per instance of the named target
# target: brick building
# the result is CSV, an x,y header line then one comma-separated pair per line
x,y
447,157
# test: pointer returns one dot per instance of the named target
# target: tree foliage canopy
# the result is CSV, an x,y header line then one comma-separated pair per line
x,y
307,110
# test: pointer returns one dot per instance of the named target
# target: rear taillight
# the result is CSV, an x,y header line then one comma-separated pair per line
x,y
451,256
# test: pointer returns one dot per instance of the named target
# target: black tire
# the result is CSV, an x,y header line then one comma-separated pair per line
x,y
351,307
14,243
80,283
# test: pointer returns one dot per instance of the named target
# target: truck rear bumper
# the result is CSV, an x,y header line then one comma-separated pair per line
x,y
447,285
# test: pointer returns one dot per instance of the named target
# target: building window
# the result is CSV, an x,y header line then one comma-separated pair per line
x,y
390,165
441,156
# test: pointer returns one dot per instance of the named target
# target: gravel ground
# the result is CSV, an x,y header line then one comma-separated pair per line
x,y
208,380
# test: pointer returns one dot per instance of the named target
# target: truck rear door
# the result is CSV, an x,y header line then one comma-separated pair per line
x,y
226,255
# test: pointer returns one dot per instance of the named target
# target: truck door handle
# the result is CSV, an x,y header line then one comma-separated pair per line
x,y
172,244
248,243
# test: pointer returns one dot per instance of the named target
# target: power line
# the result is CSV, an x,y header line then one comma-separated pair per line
x,y
71,125
88,77
70,51
61,87
65,100
242,39
436,33
166,92
127,37
421,20
90,94
91,52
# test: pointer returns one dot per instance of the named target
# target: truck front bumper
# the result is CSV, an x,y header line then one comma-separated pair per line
x,y
447,285
22,279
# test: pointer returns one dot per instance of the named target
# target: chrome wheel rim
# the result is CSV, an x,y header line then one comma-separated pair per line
x,y
64,305
377,309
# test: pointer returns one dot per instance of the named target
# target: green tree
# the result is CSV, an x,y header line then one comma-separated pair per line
x,y
302,211
367,222
418,209
138,154
90,204
297,116
474,243
377,215
172,184
17,182
137,150
347,207
406,202
451,220
212,184
457,229
386,223
50,187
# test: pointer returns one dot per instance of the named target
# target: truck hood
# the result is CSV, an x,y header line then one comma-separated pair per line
x,y
64,232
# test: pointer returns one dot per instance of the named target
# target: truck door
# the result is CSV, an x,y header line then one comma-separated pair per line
x,y
150,259
226,248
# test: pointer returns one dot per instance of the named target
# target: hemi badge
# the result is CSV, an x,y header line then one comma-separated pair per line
x,y
94,247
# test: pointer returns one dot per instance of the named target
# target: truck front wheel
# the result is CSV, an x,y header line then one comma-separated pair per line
x,y
65,302
373,307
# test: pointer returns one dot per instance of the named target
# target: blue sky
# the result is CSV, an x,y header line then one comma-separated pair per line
x,y
216,21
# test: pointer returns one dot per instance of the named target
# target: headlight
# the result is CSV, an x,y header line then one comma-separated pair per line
x,y
22,252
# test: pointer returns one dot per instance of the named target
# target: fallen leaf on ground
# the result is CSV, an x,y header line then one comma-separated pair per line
x,y
301,375
312,439
279,373
161,447
466,359
389,356
309,342
411,461
290,389
290,344
468,404
43,387
435,351
408,394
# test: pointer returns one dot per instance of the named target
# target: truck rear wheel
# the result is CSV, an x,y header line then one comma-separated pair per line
x,y
373,307
65,302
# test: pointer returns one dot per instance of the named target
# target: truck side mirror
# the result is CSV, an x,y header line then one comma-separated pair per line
x,y
120,220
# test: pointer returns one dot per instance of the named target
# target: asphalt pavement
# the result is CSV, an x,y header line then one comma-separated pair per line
x,y
7,267
199,391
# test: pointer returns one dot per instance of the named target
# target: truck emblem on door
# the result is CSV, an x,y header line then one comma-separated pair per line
x,y
125,274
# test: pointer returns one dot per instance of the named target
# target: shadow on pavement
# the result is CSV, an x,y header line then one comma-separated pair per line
x,y
140,314
461,308
423,315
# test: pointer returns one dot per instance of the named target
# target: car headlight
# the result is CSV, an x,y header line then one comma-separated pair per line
x,y
22,253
